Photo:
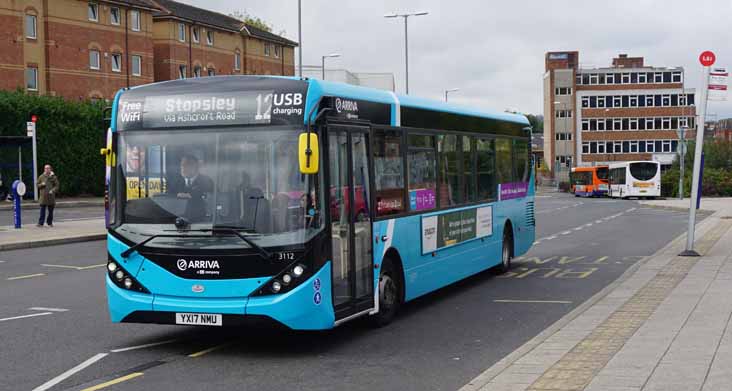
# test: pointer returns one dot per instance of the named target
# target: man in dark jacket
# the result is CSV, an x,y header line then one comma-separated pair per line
x,y
193,186
47,189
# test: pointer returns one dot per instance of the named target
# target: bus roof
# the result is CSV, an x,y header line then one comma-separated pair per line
x,y
418,112
590,168
626,164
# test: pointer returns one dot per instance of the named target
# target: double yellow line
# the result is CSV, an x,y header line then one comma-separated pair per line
x,y
113,382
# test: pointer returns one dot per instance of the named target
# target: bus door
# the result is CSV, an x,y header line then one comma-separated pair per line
x,y
350,217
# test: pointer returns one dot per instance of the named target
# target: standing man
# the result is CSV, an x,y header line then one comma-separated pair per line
x,y
47,187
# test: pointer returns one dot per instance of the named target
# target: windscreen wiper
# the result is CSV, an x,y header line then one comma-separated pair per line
x,y
235,230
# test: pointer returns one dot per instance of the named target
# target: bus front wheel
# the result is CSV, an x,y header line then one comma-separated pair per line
x,y
390,294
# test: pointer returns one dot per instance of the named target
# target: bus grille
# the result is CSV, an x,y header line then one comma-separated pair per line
x,y
530,217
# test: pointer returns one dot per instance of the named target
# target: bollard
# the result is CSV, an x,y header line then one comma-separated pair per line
x,y
18,193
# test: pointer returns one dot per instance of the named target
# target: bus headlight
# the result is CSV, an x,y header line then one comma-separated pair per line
x,y
298,270
128,283
119,276
286,279
276,287
111,267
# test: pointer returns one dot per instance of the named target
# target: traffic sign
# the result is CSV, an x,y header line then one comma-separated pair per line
x,y
718,84
30,128
707,58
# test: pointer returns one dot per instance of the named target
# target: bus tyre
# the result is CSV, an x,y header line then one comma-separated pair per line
x,y
506,252
390,294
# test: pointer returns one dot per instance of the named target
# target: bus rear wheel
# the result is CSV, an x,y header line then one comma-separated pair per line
x,y
506,252
390,294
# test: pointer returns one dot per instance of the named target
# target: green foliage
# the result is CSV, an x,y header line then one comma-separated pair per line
x,y
69,136
537,123
250,20
717,179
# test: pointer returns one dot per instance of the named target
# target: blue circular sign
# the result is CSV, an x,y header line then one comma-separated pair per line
x,y
317,298
316,284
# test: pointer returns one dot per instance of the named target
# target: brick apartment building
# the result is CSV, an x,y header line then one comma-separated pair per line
x,y
627,111
91,49
723,130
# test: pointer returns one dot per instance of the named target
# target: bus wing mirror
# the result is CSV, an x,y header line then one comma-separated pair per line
x,y
308,153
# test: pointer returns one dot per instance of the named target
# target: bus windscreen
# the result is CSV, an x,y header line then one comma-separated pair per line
x,y
602,173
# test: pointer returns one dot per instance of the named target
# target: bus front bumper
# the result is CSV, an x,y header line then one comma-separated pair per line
x,y
306,307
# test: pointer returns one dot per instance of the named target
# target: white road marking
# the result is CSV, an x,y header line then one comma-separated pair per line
x,y
149,345
26,316
598,221
70,372
537,242
48,309
534,301
566,232
26,276
551,237
578,228
74,267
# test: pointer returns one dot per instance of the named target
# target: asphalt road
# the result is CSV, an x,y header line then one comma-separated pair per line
x,y
53,318
30,216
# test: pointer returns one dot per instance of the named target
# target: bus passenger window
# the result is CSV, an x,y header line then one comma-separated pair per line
x,y
388,172
468,170
521,152
486,151
503,160
449,175
422,172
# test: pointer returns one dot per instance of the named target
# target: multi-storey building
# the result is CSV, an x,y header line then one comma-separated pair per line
x,y
83,49
628,111
723,130
194,42
77,49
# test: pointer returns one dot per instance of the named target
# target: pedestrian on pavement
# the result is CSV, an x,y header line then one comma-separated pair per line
x,y
47,187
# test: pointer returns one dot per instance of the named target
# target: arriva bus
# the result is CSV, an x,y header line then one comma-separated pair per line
x,y
305,203
589,181
635,179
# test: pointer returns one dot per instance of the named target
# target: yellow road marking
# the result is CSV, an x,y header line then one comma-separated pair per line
x,y
74,267
535,301
209,350
113,382
26,276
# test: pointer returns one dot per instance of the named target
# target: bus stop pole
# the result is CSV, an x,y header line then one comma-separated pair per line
x,y
695,181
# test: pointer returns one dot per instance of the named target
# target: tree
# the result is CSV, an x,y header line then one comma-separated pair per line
x,y
250,20
536,121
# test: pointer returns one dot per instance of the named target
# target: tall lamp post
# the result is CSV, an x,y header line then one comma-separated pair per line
x,y
406,41
332,55
299,37
450,90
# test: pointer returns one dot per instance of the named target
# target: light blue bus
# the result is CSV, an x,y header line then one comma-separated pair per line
x,y
236,200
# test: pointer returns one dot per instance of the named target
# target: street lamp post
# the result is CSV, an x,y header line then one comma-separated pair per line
x,y
406,41
332,55
450,90
299,36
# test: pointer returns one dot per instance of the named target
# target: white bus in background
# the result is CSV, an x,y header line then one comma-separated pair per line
x,y
635,179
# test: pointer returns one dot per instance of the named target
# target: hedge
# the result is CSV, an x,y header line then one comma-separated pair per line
x,y
717,179
69,136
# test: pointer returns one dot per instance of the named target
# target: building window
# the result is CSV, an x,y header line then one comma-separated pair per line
x,y
585,102
181,32
593,78
626,78
658,77
267,49
195,34
682,100
666,123
676,77
563,91
617,101
665,100
585,124
209,38
585,147
93,11
634,124
31,79
116,62
642,78
30,27
563,113
601,147
114,15
610,78
182,71
277,51
94,59
237,61
136,65
600,124
197,71
618,124
211,72
634,101
135,16
634,147
649,100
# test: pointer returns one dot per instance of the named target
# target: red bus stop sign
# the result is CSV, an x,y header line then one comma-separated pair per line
x,y
707,58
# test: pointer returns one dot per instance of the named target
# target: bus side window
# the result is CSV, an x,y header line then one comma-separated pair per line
x,y
521,153
486,158
448,168
388,172
503,160
421,173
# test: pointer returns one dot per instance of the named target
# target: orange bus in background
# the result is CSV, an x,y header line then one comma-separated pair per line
x,y
589,181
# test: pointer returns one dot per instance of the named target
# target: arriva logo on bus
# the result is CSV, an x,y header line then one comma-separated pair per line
x,y
184,265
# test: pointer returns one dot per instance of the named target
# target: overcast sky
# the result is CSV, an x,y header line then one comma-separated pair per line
x,y
494,50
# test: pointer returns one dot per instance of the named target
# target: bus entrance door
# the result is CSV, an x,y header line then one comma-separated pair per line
x,y
350,216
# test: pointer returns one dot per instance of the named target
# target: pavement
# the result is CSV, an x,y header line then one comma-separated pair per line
x,y
56,333
663,325
60,203
63,232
